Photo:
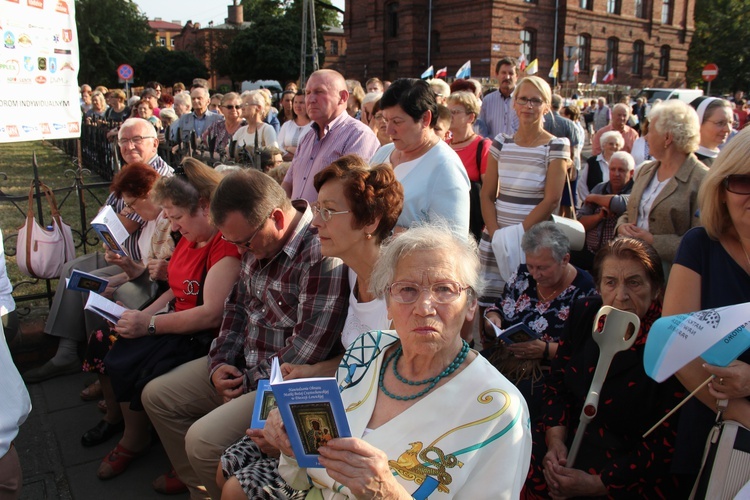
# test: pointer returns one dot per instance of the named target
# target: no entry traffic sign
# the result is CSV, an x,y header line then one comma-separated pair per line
x,y
125,72
710,72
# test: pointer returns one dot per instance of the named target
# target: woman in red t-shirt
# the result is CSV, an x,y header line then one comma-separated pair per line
x,y
146,344
472,148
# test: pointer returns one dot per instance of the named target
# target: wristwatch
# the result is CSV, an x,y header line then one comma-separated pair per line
x,y
152,326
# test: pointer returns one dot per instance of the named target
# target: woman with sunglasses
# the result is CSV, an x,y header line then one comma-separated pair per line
x,y
293,129
356,211
428,415
219,134
712,269
664,202
146,344
524,180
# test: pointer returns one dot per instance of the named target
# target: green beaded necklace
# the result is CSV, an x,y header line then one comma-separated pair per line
x,y
460,357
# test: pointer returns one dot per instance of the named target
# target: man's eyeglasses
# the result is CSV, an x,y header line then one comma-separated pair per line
x,y
525,101
246,244
327,213
136,141
238,106
737,184
444,292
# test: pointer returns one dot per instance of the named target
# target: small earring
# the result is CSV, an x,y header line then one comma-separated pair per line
x,y
368,236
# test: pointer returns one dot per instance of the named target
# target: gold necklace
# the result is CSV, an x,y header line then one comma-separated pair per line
x,y
532,142
555,292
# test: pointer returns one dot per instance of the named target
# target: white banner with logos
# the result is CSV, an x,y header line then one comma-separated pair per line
x,y
39,96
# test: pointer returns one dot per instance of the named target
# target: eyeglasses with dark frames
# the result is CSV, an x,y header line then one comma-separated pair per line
x,y
737,183
246,244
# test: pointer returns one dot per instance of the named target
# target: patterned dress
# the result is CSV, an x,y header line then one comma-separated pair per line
x,y
630,403
522,175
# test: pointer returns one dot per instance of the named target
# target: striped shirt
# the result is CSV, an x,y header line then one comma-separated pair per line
x,y
118,205
498,113
342,136
292,306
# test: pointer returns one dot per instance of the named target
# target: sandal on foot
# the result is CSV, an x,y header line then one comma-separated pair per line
x,y
102,405
116,462
92,393
169,484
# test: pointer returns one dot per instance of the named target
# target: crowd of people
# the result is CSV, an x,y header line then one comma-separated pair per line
x,y
389,235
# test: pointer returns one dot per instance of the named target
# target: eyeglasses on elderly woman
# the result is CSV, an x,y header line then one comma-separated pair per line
x,y
443,292
737,184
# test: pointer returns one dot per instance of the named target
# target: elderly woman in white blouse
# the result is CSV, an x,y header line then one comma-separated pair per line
x,y
596,169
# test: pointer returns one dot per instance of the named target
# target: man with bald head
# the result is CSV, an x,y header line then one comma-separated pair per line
x,y
138,143
196,121
334,134
619,122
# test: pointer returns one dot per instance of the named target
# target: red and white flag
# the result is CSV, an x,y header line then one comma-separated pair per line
x,y
522,62
609,76
442,73
576,68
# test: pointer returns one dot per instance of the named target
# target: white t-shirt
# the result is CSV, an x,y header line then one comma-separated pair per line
x,y
363,316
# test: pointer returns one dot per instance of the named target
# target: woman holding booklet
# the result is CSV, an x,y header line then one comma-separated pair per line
x,y
537,296
712,269
614,460
146,344
402,388
356,211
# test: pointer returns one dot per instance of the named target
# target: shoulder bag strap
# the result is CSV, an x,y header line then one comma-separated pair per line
x,y
30,229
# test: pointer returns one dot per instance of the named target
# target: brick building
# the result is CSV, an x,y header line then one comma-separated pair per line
x,y
645,41
165,32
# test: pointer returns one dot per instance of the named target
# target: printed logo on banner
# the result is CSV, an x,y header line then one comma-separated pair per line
x,y
28,64
24,40
45,129
52,64
74,127
42,63
61,7
39,4
67,65
59,126
59,80
10,66
63,51
27,129
67,35
55,39
40,79
9,39
13,131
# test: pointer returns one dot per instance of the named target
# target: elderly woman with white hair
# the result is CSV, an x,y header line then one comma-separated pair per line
x,y
182,103
256,133
596,169
428,415
717,119
601,209
664,201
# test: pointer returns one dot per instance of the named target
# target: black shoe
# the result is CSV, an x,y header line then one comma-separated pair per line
x,y
101,432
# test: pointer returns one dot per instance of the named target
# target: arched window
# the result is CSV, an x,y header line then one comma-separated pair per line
x,y
613,46
666,11
613,7
528,44
640,9
638,51
664,61
584,52
391,20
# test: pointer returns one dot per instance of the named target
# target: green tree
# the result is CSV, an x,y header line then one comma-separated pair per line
x,y
168,66
270,48
110,33
720,27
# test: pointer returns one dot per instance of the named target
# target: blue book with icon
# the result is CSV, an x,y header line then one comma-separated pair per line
x,y
110,229
312,411
85,282
514,333
265,401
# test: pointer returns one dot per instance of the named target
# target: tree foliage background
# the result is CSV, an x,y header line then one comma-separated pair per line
x,y
169,66
110,33
270,48
721,28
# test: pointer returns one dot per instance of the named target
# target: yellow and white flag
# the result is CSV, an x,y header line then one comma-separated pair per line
x,y
553,71
532,68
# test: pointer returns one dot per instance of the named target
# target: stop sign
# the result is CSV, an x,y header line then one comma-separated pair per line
x,y
710,72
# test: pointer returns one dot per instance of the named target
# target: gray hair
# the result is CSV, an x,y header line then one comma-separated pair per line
x,y
371,97
428,237
680,120
546,235
183,98
145,125
624,156
606,136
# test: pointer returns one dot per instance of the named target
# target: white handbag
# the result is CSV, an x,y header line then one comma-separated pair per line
x,y
40,252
